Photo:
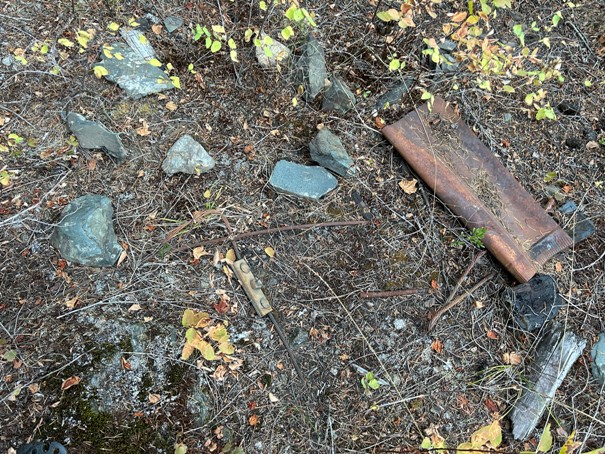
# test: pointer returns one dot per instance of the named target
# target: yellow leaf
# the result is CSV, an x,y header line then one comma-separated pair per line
x,y
100,71
113,26
218,29
132,22
230,256
270,251
187,351
294,101
107,52
142,39
219,333
226,348
83,38
118,56
71,303
65,42
193,318
408,186
176,81
207,351
154,62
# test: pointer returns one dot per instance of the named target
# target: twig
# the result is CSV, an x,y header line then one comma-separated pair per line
x,y
271,230
461,298
388,294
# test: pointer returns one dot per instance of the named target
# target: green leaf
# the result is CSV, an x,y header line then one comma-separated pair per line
x,y
10,355
550,176
142,39
426,95
226,348
290,12
491,434
113,26
529,99
374,384
394,64
155,62
518,31
216,46
197,34
545,440
298,15
248,34
100,71
262,5
587,83
508,89
65,42
268,52
208,42
384,16
287,32
44,49
206,350
180,448
231,44
175,81
426,443
557,18
15,138
218,29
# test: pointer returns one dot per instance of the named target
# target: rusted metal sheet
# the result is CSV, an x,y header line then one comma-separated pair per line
x,y
475,185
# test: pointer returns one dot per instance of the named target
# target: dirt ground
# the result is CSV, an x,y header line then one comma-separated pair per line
x,y
119,329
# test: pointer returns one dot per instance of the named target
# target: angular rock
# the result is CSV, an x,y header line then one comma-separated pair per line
x,y
555,355
312,72
138,43
338,97
534,302
133,73
85,232
187,156
393,96
302,181
581,227
172,23
276,50
598,359
327,150
94,135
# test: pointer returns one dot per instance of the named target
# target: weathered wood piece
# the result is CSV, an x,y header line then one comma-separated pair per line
x,y
555,355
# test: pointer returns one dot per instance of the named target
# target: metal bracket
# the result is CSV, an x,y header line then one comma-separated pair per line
x,y
252,287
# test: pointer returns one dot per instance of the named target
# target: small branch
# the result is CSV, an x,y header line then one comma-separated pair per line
x,y
388,294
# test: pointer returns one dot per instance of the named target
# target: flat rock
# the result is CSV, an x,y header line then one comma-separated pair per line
x,y
534,302
327,150
133,73
310,182
269,56
338,98
312,72
85,232
187,156
598,359
393,97
581,227
94,135
172,23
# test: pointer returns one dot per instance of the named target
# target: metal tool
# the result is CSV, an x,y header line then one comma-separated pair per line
x,y
254,291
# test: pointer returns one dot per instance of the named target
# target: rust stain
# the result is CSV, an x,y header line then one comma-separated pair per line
x,y
475,185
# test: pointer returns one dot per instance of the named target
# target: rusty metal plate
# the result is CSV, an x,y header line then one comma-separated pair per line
x,y
475,185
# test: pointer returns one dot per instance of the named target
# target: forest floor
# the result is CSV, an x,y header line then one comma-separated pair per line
x,y
91,357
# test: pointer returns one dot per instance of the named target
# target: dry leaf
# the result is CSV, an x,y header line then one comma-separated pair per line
x,y
272,398
217,258
253,420
491,405
154,398
135,307
123,256
92,164
512,358
156,28
479,304
249,148
270,251
125,364
379,122
69,382
144,129
230,257
147,319
437,346
558,267
408,186
199,251
434,284
34,388
171,106
459,16
71,303
492,334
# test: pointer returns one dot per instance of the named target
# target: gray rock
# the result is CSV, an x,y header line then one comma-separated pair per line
x,y
581,227
187,156
338,97
598,359
133,73
298,337
138,43
312,72
393,97
172,23
302,181
534,302
85,232
200,403
327,150
276,50
94,135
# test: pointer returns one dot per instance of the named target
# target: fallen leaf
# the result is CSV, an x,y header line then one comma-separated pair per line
x,y
69,382
34,388
492,334
270,251
171,106
154,398
123,256
222,307
71,303
144,129
272,398
434,284
135,307
253,420
92,164
437,346
491,406
249,148
125,364
567,188
230,257
199,251
156,28
380,123
180,448
512,358
558,267
459,16
409,186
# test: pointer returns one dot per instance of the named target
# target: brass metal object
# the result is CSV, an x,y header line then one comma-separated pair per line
x,y
252,287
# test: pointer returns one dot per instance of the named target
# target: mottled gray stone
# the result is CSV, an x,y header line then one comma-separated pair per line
x,y
312,72
94,135
338,97
581,227
535,302
187,156
393,97
200,403
138,43
85,232
277,50
133,73
327,150
298,337
302,181
172,23
598,359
